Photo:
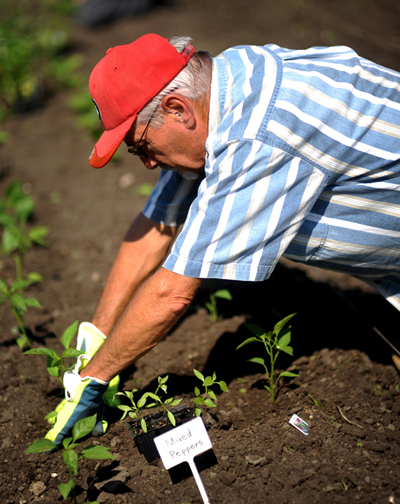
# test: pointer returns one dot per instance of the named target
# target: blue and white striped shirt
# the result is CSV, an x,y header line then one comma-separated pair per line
x,y
303,160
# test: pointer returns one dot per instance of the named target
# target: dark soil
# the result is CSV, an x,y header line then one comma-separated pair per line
x,y
347,389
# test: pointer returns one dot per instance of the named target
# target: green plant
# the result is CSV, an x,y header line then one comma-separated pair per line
x,y
163,405
81,103
208,397
16,208
160,403
211,305
33,40
134,410
56,365
12,297
71,458
274,342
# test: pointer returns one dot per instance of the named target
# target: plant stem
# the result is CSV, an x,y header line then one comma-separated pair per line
x,y
21,326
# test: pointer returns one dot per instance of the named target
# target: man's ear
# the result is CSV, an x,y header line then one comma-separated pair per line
x,y
181,109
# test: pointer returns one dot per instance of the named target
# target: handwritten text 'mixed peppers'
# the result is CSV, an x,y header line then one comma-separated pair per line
x,y
189,445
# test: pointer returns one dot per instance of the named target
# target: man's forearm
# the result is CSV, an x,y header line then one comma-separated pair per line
x,y
150,315
142,251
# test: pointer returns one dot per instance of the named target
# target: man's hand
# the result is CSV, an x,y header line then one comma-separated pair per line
x,y
89,340
84,397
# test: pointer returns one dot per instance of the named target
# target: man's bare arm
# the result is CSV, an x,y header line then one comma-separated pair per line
x,y
142,251
150,315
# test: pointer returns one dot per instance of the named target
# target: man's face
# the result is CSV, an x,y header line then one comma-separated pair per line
x,y
173,146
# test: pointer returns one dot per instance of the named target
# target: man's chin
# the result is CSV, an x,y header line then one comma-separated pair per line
x,y
184,174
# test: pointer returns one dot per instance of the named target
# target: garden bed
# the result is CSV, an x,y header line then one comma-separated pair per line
x,y
347,389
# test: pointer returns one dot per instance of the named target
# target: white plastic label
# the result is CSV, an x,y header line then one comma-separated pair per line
x,y
182,444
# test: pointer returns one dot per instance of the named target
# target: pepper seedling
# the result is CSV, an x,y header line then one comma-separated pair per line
x,y
12,297
160,403
17,239
275,341
81,429
211,305
208,397
163,405
134,410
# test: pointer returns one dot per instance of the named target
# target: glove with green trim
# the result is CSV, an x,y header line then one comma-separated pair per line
x,y
83,398
89,340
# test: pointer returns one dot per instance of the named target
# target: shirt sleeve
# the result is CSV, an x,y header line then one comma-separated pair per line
x,y
171,198
249,207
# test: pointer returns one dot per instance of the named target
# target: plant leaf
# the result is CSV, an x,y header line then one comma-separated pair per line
x,y
141,402
34,277
212,395
32,302
97,453
223,294
209,403
287,349
54,371
65,488
71,459
284,340
256,329
247,341
41,445
71,352
257,360
84,427
197,391
3,287
48,352
223,386
278,327
171,418
69,334
208,381
198,375
143,425
288,374
18,302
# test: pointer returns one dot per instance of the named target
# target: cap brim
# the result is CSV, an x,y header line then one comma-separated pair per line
x,y
108,143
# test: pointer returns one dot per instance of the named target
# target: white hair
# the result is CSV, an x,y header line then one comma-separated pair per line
x,y
192,82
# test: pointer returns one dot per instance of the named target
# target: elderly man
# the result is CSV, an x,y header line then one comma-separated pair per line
x,y
263,152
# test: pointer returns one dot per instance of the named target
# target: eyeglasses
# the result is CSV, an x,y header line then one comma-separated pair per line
x,y
139,150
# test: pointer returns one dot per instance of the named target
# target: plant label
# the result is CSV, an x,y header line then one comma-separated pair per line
x,y
182,444
299,424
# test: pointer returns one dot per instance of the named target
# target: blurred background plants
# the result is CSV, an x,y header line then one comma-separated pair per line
x,y
35,54
17,238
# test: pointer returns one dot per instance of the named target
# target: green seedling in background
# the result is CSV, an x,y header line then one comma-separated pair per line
x,y
274,342
81,103
14,300
208,397
16,208
211,305
33,56
17,238
81,429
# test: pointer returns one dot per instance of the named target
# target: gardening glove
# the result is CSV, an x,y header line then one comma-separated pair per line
x,y
83,398
89,340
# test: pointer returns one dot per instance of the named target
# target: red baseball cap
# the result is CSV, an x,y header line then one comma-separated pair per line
x,y
124,81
